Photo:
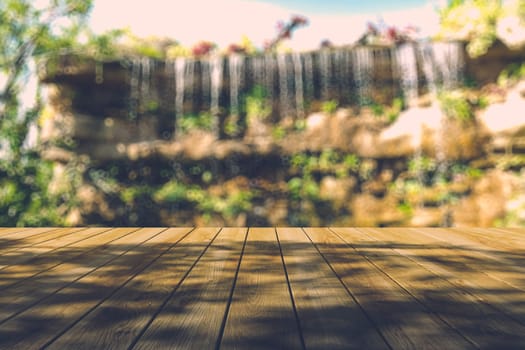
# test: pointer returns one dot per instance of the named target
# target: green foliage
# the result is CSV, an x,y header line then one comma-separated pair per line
x,y
481,22
329,107
405,208
422,164
398,104
456,105
300,125
472,20
303,188
130,194
203,121
511,75
257,104
377,109
231,127
229,206
171,192
278,132
27,34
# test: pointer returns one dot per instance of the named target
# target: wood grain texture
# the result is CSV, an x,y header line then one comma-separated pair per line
x,y
329,317
492,330
94,279
261,314
467,269
120,319
34,257
49,265
22,232
28,240
313,288
193,316
404,322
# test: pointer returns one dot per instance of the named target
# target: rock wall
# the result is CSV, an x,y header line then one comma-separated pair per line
x,y
347,166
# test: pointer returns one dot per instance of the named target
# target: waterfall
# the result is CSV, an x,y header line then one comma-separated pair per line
x,y
426,52
179,66
325,68
236,63
134,95
405,61
449,62
257,65
205,76
284,98
216,83
362,65
339,60
145,85
299,91
269,68
308,75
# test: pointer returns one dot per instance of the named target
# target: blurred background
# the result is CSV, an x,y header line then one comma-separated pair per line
x,y
262,113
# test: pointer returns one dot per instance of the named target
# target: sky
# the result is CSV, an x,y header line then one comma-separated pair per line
x,y
227,21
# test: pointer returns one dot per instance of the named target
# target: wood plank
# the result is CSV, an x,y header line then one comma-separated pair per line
x,y
31,257
329,317
490,238
193,317
261,315
20,296
120,320
8,232
35,327
497,259
464,268
476,321
12,275
39,239
402,320
19,239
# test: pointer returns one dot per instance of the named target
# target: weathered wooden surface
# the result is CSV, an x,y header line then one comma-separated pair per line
x,y
247,288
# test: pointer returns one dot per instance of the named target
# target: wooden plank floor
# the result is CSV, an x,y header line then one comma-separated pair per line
x,y
262,288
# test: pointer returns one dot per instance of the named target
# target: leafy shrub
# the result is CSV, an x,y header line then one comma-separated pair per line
x,y
329,107
455,105
203,121
257,104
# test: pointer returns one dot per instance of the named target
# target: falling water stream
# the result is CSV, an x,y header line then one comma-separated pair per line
x,y
295,79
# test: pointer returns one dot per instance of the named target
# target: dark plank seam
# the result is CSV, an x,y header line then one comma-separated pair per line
x,y
65,261
347,289
51,341
230,297
47,240
429,310
493,307
22,229
75,280
296,315
172,293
